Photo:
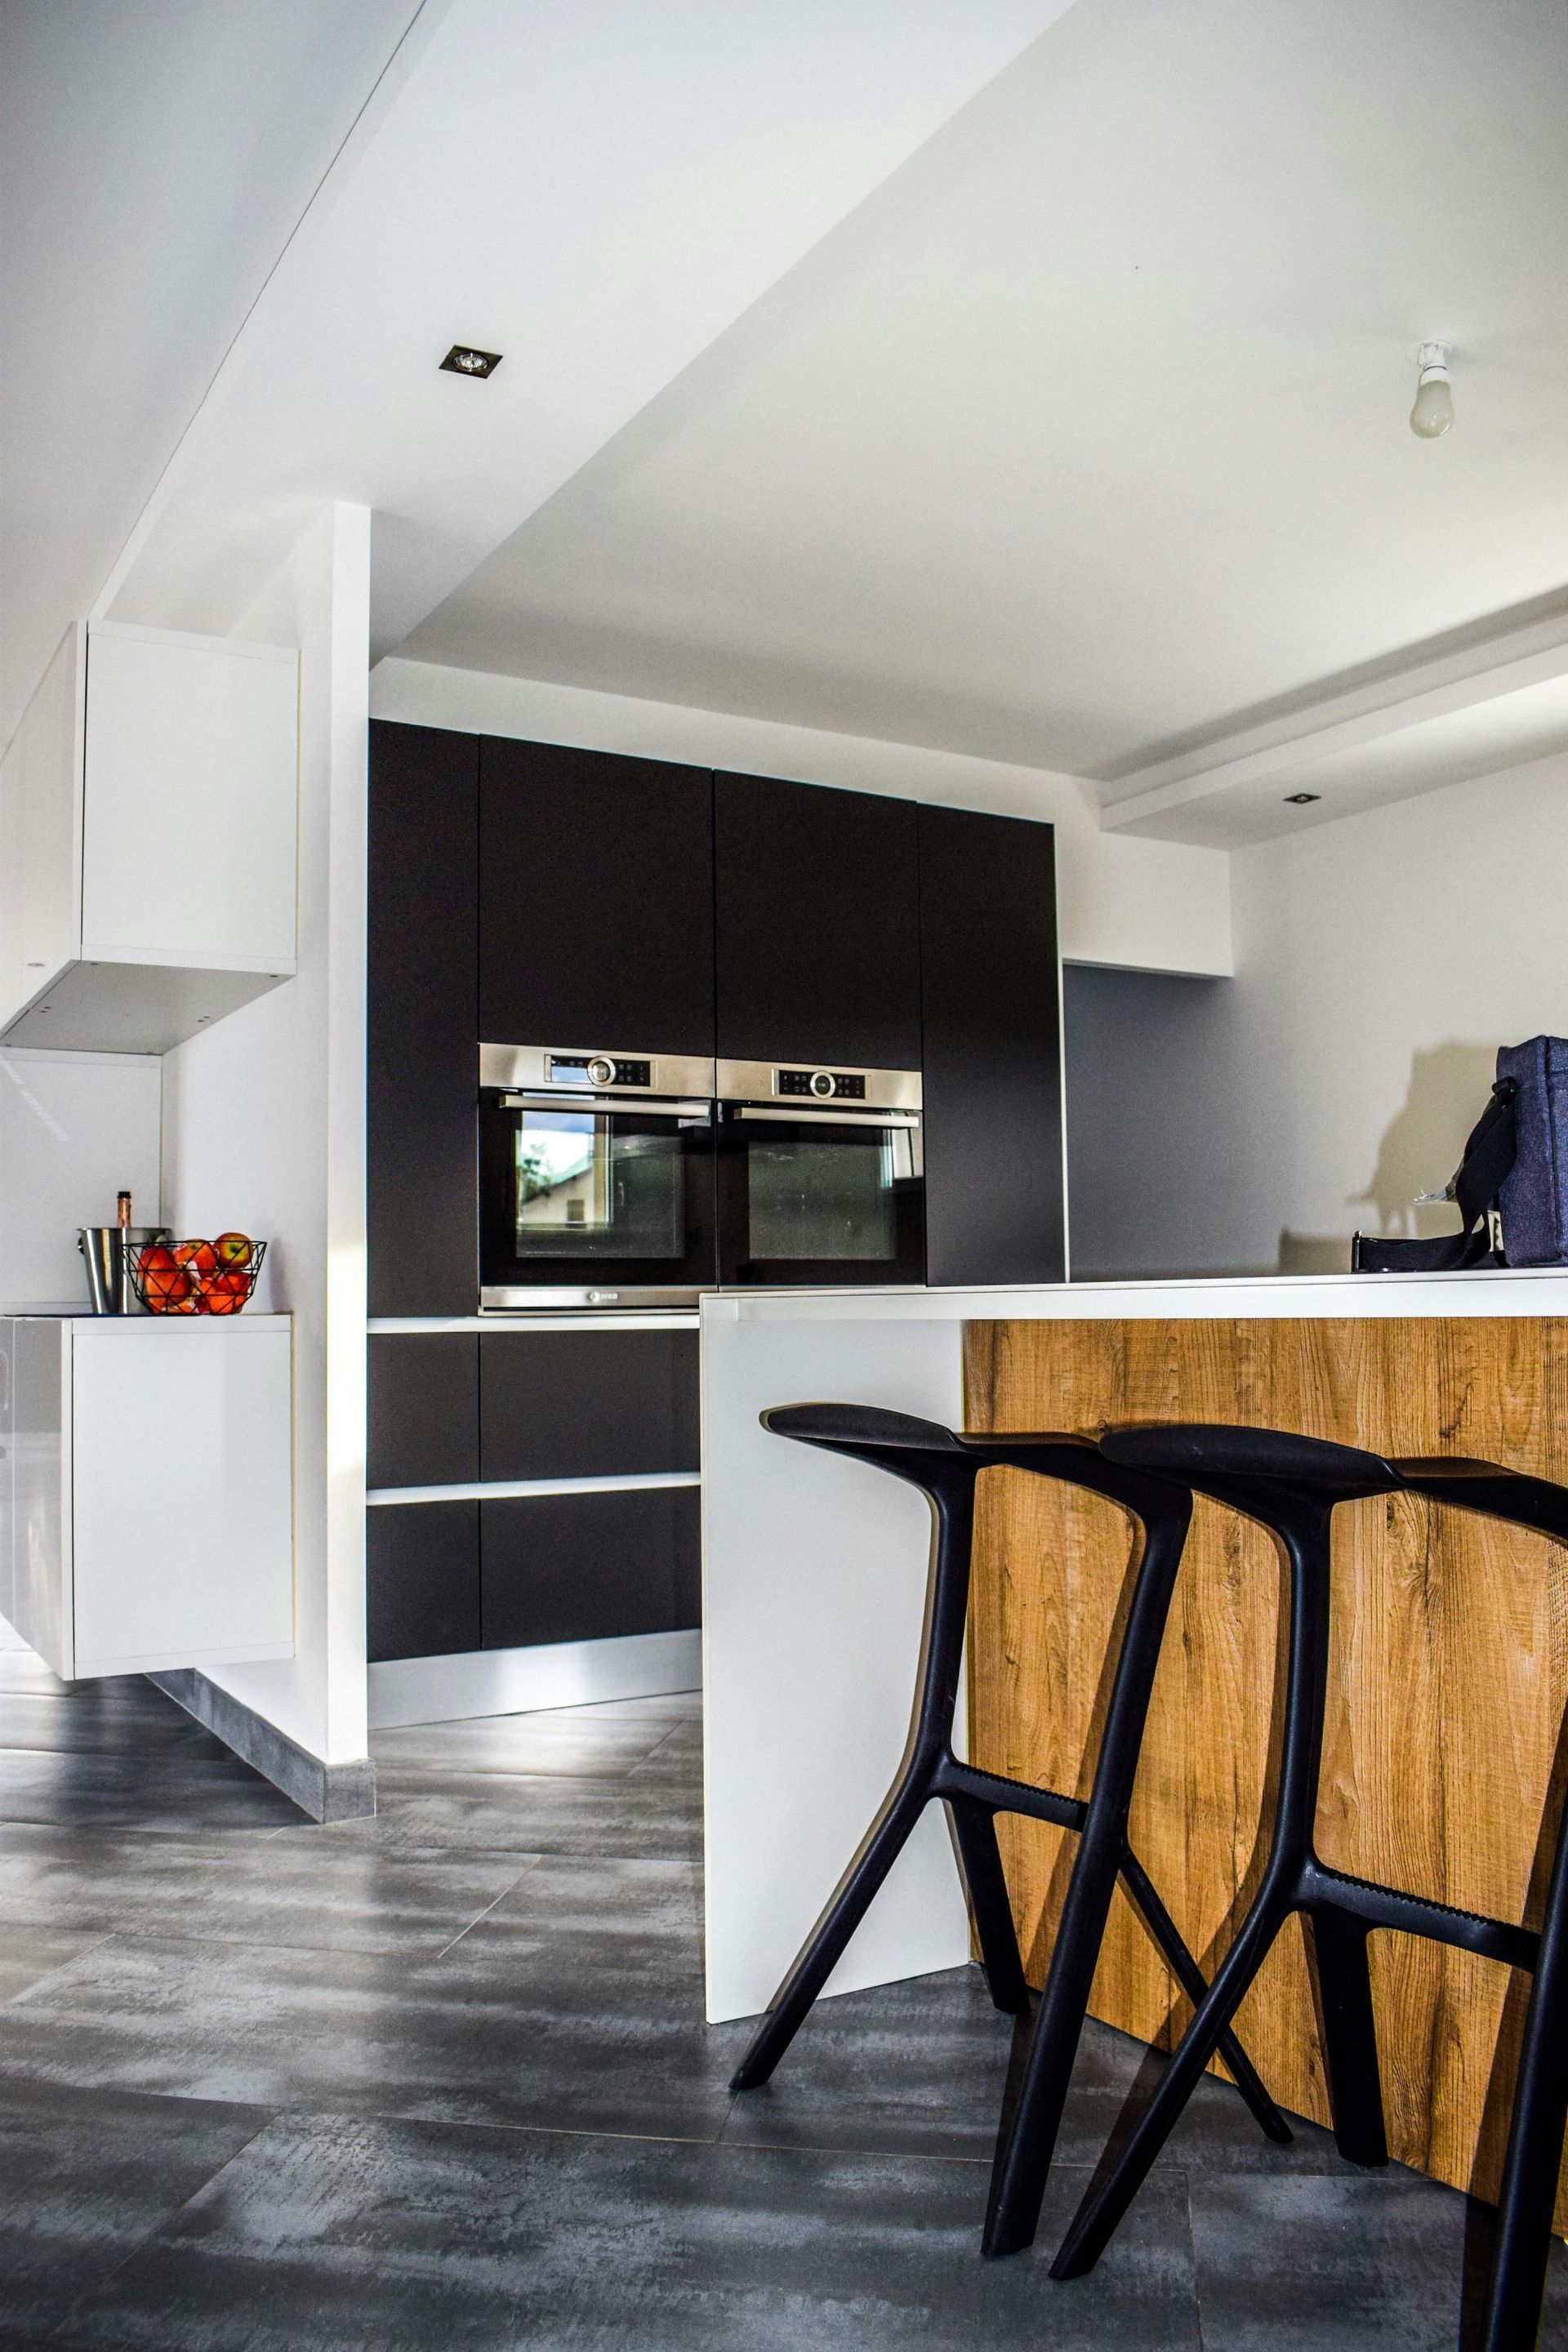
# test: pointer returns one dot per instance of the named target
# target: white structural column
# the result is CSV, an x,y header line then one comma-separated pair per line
x,y
814,1589
264,1130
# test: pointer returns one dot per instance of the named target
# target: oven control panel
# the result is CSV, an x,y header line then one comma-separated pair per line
x,y
822,1086
598,1070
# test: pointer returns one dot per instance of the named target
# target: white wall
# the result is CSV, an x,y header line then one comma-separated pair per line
x,y
264,1131
1154,905
1381,961
75,1128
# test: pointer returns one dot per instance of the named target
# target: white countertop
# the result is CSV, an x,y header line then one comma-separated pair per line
x,y
250,1319
1481,1290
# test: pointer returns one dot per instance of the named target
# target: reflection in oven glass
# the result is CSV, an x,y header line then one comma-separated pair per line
x,y
833,1200
588,1188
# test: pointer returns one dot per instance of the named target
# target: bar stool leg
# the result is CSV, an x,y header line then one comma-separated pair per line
x,y
852,1898
1534,2161
975,1830
1093,2229
951,1493
1349,2036
1025,2152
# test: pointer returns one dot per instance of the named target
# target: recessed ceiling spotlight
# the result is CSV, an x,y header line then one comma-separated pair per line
x,y
1300,800
1434,410
464,360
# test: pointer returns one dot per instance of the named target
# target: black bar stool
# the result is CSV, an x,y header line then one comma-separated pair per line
x,y
1293,1485
944,1468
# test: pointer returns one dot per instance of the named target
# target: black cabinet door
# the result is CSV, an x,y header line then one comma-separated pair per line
x,y
587,1404
422,1578
816,925
595,901
422,1032
992,1050
580,1568
424,1409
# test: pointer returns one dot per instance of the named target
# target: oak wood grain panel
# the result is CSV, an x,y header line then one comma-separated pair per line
x,y
1448,1677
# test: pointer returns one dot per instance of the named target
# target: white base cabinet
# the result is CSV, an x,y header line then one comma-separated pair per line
x,y
146,1490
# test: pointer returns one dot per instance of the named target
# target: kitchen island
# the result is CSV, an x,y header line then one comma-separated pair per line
x,y
1448,1683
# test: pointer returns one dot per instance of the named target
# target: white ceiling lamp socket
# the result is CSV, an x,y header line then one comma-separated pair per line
x,y
1434,410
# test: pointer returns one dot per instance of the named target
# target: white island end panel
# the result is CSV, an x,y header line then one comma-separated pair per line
x,y
813,1598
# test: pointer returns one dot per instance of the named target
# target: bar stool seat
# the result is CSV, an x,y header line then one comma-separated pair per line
x,y
1292,1485
944,1468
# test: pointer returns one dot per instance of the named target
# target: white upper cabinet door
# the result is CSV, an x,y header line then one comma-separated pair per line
x,y
191,801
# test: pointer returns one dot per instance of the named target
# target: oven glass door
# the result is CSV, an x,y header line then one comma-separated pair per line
x,y
817,1198
595,1193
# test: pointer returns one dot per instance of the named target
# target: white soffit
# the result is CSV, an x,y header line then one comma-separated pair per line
x,y
1438,721
593,187
154,160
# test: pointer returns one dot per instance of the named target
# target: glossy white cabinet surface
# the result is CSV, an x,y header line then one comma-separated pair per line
x,y
189,857
149,811
150,1511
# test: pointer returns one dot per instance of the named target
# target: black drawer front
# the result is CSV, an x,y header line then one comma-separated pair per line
x,y
424,1409
579,1568
422,1572
587,1404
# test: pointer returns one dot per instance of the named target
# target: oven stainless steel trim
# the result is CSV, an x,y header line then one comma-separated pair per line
x,y
689,1114
758,1082
530,1067
821,1114
515,1299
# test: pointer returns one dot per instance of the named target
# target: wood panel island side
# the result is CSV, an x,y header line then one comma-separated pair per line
x,y
1448,1677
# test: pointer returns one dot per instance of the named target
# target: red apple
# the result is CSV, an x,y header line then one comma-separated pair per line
x,y
233,1249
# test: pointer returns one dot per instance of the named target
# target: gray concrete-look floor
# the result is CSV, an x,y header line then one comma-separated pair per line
x,y
441,2079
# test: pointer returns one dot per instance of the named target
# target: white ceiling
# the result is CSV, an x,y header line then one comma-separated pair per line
x,y
1085,435
595,188
153,161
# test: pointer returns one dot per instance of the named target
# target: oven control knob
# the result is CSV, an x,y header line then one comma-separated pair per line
x,y
602,1071
822,1083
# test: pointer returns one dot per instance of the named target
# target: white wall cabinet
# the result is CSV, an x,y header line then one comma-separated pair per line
x,y
146,1507
149,810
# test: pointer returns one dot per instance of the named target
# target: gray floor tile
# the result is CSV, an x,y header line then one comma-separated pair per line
x,y
675,1763
518,1743
84,2176
30,1953
486,1811
111,1718
373,2237
461,2038
1361,2262
580,1910
283,1889
170,1796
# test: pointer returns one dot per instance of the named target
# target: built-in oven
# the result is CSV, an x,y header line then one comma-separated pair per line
x,y
821,1176
595,1178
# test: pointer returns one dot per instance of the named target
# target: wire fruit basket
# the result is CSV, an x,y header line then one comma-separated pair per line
x,y
196,1278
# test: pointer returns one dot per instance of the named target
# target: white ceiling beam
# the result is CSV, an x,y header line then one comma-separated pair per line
x,y
1433,689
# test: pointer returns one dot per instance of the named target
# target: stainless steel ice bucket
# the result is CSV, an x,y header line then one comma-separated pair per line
x,y
109,1289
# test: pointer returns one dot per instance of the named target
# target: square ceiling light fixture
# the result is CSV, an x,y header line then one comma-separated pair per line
x,y
464,360
1301,800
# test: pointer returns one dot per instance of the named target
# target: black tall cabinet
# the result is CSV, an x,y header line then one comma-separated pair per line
x,y
596,885
816,925
992,1051
423,1203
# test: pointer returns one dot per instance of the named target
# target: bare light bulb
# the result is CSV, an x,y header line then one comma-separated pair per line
x,y
1434,410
